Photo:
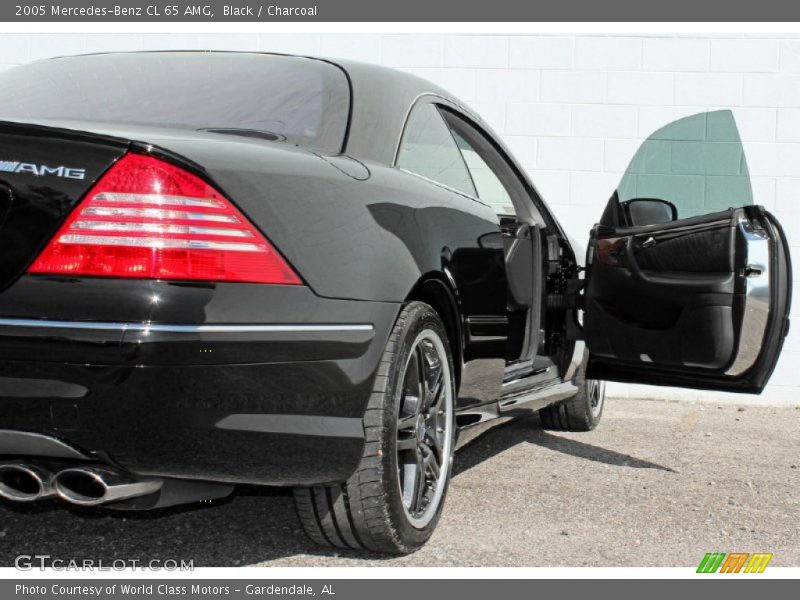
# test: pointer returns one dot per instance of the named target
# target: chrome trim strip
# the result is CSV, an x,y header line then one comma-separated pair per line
x,y
117,226
546,395
44,323
157,199
156,242
443,186
758,298
158,213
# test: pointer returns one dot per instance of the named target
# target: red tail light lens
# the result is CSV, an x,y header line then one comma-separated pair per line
x,y
148,219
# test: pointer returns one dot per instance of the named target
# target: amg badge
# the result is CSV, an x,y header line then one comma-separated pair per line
x,y
11,166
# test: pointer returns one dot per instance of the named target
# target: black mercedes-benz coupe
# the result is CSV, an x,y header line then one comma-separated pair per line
x,y
234,268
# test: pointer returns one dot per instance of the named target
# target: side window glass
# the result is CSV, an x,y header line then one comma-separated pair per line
x,y
489,187
696,163
428,149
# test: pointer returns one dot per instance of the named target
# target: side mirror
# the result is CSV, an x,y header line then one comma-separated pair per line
x,y
649,211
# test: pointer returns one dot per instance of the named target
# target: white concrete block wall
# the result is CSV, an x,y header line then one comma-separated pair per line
x,y
573,108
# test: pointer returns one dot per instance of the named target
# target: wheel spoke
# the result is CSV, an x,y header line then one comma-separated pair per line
x,y
409,488
407,423
406,444
438,441
430,373
431,463
434,400
419,484
422,363
411,402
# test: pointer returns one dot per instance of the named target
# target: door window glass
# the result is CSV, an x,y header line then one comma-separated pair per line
x,y
489,187
697,163
428,149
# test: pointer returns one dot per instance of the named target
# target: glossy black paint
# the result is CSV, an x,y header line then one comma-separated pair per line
x,y
183,404
32,207
268,408
201,422
338,226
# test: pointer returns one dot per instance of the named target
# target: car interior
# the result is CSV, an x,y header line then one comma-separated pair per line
x,y
678,263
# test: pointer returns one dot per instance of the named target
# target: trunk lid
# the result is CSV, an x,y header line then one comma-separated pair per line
x,y
44,172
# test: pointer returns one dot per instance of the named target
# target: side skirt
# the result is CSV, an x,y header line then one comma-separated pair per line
x,y
471,422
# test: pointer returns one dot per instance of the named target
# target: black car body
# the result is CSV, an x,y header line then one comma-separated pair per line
x,y
227,382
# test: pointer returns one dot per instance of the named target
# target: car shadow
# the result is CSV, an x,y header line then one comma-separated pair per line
x,y
529,430
253,526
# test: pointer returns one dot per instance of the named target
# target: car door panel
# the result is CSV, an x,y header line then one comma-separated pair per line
x,y
470,246
646,305
681,289
701,302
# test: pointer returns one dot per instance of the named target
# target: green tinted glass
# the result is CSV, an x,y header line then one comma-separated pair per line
x,y
488,186
428,149
697,163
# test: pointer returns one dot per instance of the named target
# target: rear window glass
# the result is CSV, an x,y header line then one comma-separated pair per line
x,y
303,101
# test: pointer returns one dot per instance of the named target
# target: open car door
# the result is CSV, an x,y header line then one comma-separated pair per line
x,y
688,283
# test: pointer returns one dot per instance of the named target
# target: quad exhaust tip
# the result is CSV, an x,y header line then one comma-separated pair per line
x,y
97,484
93,486
25,483
86,486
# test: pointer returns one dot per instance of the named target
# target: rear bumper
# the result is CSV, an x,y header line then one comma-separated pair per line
x,y
274,403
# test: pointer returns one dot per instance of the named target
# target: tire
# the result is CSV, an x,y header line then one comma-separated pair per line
x,y
583,411
380,507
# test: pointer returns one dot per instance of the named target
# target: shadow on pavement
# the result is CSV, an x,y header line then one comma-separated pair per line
x,y
529,430
255,525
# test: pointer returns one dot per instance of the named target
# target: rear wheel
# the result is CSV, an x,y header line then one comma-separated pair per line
x,y
394,499
583,411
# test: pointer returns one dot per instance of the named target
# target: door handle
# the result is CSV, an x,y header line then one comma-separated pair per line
x,y
649,242
753,271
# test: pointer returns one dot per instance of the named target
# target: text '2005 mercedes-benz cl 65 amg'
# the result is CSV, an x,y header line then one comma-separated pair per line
x,y
229,268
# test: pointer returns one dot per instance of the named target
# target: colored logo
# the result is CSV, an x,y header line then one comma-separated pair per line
x,y
735,562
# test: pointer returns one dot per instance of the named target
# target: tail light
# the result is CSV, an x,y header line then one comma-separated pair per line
x,y
148,219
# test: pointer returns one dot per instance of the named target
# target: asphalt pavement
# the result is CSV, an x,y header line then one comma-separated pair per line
x,y
657,484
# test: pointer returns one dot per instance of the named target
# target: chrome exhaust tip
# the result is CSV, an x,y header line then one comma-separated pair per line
x,y
25,483
93,486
